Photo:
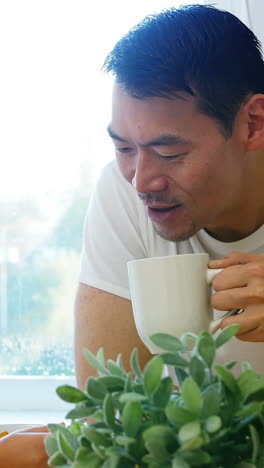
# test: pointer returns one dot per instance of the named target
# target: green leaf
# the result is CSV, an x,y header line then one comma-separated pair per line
x,y
197,370
226,334
98,415
109,411
189,339
81,411
167,342
249,383
112,383
192,396
100,356
100,451
253,408
115,369
75,428
179,462
213,424
152,374
178,415
246,366
161,396
55,429
158,439
115,450
124,440
71,394
57,459
65,447
51,445
227,378
228,405
230,365
96,437
174,360
211,402
246,465
86,459
157,432
181,375
119,361
131,417
138,387
134,364
189,431
96,389
255,442
206,347
95,362
111,462
128,387
192,444
131,396
196,457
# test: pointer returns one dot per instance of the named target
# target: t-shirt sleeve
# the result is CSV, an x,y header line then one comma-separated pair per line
x,y
111,234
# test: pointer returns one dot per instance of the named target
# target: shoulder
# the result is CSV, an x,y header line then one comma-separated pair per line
x,y
111,176
113,193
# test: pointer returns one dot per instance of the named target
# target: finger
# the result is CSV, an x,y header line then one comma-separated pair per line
x,y
236,298
249,320
236,276
235,258
241,297
256,335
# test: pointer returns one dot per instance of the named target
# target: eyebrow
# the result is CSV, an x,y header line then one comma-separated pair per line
x,y
166,139
114,135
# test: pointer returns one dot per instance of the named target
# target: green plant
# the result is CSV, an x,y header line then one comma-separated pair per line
x,y
214,420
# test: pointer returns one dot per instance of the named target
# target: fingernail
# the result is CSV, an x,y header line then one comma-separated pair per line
x,y
215,262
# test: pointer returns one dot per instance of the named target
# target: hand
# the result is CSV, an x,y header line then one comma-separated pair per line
x,y
241,286
24,449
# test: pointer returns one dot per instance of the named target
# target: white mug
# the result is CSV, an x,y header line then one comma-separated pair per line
x,y
171,295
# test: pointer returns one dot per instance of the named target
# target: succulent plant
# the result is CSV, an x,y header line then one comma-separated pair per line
x,y
141,419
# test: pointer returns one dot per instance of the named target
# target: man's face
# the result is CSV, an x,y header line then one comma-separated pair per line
x,y
187,173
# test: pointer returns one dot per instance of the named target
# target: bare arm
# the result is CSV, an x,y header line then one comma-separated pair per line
x,y
103,319
24,449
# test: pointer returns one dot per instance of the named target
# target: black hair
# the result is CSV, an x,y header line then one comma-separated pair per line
x,y
197,49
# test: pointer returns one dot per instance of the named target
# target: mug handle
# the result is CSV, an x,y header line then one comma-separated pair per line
x,y
215,324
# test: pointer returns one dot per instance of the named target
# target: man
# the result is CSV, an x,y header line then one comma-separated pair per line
x,y
188,128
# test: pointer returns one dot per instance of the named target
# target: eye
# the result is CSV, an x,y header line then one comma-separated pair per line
x,y
124,150
172,156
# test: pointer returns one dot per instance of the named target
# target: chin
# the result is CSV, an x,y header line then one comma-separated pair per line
x,y
176,235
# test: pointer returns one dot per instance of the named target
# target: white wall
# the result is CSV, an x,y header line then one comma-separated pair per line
x,y
251,12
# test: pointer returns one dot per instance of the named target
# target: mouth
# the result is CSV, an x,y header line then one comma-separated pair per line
x,y
162,213
162,209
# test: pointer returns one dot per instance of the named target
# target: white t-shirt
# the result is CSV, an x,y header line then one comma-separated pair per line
x,y
118,229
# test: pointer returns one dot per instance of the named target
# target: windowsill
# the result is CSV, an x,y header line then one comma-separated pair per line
x,y
33,395
32,417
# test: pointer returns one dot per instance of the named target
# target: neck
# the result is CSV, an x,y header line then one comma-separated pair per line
x,y
232,234
247,215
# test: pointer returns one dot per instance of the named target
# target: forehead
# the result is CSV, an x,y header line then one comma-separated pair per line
x,y
145,118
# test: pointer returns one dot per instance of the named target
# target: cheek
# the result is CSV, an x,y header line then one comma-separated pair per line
x,y
204,183
126,167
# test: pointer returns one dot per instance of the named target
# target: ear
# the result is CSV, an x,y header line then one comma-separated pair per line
x,y
254,108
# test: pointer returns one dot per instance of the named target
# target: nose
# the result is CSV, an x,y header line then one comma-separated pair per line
x,y
149,174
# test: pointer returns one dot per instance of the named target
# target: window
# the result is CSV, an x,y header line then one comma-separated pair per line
x,y
55,105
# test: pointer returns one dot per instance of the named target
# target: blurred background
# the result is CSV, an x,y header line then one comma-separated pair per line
x,y
55,106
